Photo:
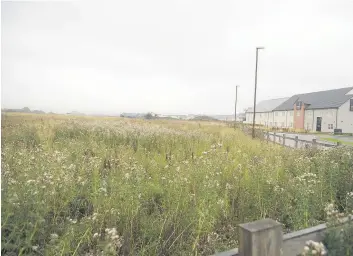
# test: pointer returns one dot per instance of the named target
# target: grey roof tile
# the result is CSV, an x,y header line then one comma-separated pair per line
x,y
318,100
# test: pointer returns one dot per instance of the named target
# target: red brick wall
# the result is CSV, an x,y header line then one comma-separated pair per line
x,y
298,121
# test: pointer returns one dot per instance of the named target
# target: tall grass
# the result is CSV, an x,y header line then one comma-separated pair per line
x,y
83,186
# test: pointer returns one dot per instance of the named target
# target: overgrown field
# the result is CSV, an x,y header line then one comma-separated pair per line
x,y
83,186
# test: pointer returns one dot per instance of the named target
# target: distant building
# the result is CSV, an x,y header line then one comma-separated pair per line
x,y
321,111
76,113
131,115
264,112
190,117
241,117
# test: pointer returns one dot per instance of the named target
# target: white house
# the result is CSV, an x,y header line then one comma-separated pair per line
x,y
264,112
321,111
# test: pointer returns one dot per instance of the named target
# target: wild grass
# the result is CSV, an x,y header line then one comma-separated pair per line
x,y
83,186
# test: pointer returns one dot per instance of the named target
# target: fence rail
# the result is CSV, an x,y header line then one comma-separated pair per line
x,y
283,138
264,237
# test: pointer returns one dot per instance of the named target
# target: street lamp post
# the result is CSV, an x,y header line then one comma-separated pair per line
x,y
235,107
254,109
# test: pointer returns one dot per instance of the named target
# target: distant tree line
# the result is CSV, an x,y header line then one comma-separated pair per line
x,y
23,110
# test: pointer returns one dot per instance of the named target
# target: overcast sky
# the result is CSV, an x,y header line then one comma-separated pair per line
x,y
170,56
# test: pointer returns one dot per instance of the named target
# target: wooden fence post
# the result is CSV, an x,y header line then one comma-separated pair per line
x,y
274,137
284,139
296,141
314,143
260,238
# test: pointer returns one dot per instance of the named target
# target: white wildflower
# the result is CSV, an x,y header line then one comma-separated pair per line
x,y
54,236
102,190
228,186
73,221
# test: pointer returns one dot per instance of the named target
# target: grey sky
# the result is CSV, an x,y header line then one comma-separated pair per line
x,y
170,56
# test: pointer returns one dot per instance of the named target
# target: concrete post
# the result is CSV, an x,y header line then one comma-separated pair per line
x,y
260,238
338,143
296,141
284,139
274,137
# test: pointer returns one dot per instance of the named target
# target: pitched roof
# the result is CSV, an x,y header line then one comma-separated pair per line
x,y
318,100
267,105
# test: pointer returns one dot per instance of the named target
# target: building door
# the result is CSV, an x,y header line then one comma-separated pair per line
x,y
318,124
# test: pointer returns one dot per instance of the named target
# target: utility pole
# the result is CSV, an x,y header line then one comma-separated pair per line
x,y
254,109
235,107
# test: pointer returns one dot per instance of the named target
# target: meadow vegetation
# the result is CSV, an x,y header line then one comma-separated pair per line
x,y
114,186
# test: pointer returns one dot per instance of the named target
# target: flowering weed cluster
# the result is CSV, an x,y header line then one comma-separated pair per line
x,y
314,248
339,235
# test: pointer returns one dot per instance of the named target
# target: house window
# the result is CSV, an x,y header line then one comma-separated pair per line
x,y
351,105
290,124
330,126
298,113
276,113
291,113
298,105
